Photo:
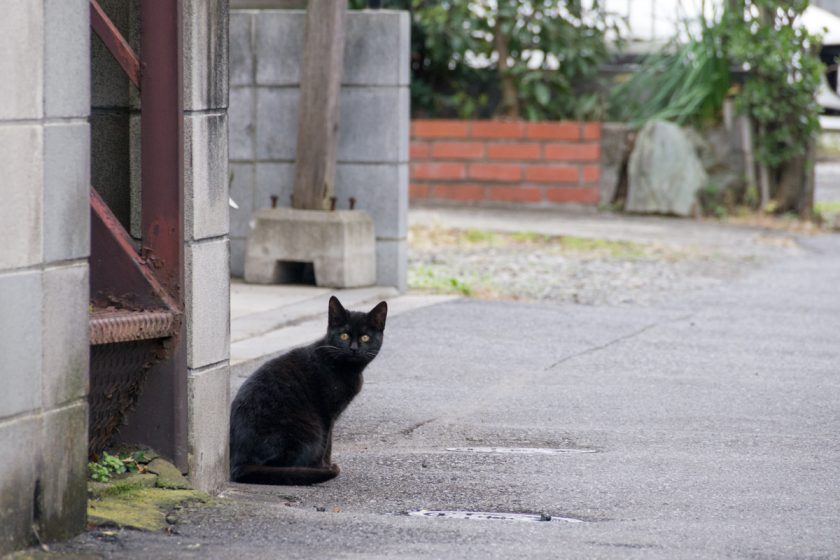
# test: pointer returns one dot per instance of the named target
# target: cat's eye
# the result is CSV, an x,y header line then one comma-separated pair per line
x,y
344,336
365,338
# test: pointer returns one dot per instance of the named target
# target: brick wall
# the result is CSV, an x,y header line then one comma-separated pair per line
x,y
505,162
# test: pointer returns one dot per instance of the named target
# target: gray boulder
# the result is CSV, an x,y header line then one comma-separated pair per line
x,y
664,172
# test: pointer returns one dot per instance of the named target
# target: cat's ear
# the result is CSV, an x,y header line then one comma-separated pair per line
x,y
338,316
376,316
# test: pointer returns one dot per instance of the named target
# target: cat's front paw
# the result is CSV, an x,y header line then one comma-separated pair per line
x,y
335,468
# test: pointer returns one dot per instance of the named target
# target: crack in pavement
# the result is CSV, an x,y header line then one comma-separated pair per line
x,y
618,339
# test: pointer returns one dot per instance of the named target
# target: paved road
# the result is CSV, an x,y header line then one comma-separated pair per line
x,y
713,422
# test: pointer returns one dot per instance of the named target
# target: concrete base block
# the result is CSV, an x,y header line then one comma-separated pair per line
x,y
340,246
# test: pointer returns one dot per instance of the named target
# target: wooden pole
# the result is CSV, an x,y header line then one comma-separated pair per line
x,y
320,86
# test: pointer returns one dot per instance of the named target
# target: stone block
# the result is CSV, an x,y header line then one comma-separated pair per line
x,y
67,191
67,58
241,123
664,173
205,24
273,179
109,86
392,263
241,44
208,394
373,125
276,126
206,176
381,190
110,171
340,246
21,192
376,51
207,302
22,63
63,472
237,256
66,346
278,43
242,192
20,439
20,342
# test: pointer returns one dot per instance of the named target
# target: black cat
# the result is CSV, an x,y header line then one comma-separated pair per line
x,y
282,418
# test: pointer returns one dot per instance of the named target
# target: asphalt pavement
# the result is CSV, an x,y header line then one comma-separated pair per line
x,y
705,426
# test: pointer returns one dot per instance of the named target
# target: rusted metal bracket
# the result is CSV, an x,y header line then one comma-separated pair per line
x,y
115,42
119,277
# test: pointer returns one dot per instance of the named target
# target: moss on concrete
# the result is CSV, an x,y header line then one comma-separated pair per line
x,y
144,509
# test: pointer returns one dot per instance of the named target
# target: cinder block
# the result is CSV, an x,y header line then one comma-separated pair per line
x,y
340,246
205,54
22,63
279,40
208,394
242,192
111,163
237,256
109,85
277,118
67,58
207,302
66,191
21,314
206,176
63,472
381,190
21,441
66,346
241,123
241,54
392,263
376,50
403,125
369,128
21,192
274,179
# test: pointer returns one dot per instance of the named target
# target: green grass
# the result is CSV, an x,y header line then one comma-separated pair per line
x,y
831,207
427,278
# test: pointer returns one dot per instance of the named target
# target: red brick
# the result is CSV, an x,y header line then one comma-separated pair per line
x,y
498,129
430,170
439,129
592,131
591,174
525,151
552,174
464,192
418,190
515,194
578,195
458,150
554,131
419,150
573,152
495,171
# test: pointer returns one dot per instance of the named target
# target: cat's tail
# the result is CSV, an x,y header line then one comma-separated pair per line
x,y
285,476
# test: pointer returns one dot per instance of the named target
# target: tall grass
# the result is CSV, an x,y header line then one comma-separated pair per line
x,y
685,83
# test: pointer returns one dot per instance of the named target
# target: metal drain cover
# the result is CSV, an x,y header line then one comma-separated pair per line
x,y
519,450
492,516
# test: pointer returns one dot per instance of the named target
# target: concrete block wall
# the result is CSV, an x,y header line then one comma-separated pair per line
x,y
373,145
206,251
44,225
494,163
